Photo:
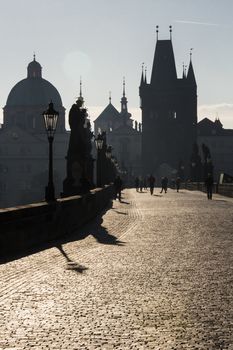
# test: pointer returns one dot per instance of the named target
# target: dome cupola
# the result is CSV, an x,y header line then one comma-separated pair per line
x,y
34,69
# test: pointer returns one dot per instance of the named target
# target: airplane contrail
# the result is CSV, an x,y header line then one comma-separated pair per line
x,y
200,23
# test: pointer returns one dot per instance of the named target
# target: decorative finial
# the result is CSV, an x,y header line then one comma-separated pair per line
x,y
170,30
110,97
145,73
143,67
157,32
185,67
80,91
191,53
124,86
34,56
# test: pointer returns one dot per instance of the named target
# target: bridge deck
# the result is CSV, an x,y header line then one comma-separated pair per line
x,y
155,272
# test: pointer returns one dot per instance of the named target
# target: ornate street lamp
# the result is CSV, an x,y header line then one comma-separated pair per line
x,y
50,120
99,141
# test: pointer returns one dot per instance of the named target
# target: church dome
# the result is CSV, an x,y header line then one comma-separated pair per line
x,y
34,90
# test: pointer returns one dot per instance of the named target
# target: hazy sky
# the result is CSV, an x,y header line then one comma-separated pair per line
x,y
104,40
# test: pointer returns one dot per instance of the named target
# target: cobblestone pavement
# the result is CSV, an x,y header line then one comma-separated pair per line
x,y
154,273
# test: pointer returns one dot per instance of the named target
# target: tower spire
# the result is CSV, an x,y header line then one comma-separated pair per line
x,y
80,98
80,89
142,76
191,53
157,33
170,30
184,71
110,97
124,99
145,80
191,76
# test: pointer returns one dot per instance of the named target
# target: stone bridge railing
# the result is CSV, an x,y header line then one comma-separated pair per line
x,y
24,227
223,189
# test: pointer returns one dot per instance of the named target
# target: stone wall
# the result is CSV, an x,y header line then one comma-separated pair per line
x,y
27,226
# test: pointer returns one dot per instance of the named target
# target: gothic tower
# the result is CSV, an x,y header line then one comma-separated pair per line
x,y
169,113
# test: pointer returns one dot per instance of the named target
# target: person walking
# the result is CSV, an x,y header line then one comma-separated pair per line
x,y
118,187
145,183
177,184
151,184
209,181
137,183
164,183
140,183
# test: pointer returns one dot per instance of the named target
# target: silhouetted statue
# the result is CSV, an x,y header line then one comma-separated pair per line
x,y
78,178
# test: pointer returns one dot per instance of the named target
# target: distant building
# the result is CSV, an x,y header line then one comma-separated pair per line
x,y
122,135
220,143
169,114
23,140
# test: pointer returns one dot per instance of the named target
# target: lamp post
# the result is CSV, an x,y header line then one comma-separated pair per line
x,y
99,145
50,120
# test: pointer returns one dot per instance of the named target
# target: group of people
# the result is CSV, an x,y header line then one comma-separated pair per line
x,y
143,183
149,181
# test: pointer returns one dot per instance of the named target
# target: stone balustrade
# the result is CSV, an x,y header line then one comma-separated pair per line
x,y
27,226
223,189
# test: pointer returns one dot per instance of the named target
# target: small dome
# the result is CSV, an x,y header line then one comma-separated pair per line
x,y
34,69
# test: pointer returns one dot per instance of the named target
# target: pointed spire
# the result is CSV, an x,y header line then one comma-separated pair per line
x,y
124,99
80,98
142,76
191,53
157,33
191,76
80,89
110,97
183,76
170,30
145,80
34,56
123,86
184,71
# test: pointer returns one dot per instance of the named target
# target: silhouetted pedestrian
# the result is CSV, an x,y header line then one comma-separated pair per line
x,y
118,187
151,181
140,183
177,184
164,183
145,183
209,181
137,183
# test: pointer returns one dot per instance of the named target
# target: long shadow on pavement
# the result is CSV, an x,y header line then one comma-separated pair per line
x,y
94,228
71,265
